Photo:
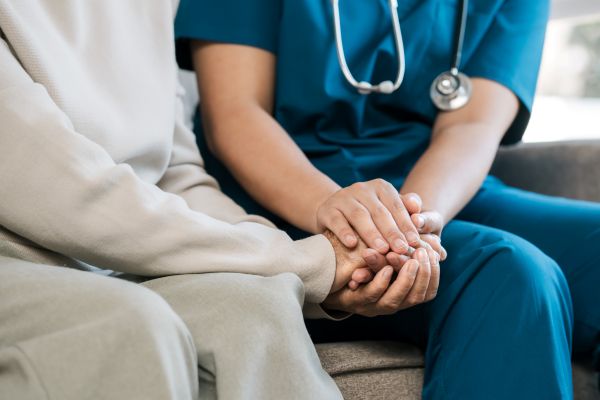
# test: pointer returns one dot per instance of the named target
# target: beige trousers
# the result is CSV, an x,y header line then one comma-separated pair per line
x,y
68,334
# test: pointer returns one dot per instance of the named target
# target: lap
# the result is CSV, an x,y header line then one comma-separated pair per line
x,y
41,299
480,259
565,229
215,305
38,300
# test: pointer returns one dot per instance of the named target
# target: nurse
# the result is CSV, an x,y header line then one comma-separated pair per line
x,y
290,138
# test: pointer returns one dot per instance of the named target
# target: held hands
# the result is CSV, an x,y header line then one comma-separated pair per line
x,y
415,283
376,214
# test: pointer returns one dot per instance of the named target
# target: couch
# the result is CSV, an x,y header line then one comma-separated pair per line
x,y
393,370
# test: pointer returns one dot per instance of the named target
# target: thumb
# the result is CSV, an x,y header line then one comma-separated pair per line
x,y
412,202
428,222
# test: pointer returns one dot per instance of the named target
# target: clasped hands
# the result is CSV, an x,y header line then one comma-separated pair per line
x,y
387,249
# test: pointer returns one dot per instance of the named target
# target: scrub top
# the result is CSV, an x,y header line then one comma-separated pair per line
x,y
353,137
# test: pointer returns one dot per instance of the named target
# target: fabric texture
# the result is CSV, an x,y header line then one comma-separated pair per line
x,y
181,337
97,164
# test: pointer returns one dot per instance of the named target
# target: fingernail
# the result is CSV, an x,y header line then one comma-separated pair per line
x,y
412,237
399,245
420,221
380,244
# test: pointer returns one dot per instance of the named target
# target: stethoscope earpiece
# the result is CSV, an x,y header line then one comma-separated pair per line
x,y
451,90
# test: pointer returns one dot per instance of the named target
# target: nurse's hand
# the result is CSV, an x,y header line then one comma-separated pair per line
x,y
428,222
416,283
376,212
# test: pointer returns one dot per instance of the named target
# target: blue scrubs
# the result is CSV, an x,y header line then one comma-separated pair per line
x,y
519,283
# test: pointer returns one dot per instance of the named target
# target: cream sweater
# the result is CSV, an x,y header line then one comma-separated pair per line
x,y
96,164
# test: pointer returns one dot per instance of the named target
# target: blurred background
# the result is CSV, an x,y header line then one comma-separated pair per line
x,y
568,102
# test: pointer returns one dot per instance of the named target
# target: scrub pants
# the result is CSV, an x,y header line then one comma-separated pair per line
x,y
73,335
519,292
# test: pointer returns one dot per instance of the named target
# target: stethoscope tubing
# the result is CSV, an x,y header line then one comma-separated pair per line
x,y
444,101
365,86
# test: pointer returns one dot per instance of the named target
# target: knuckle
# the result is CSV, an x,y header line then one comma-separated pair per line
x,y
379,182
398,206
392,306
380,210
411,301
357,212
360,186
432,295
393,234
338,220
372,233
371,297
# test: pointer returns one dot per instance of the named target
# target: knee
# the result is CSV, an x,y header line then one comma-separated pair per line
x,y
526,277
139,314
268,304
528,269
276,297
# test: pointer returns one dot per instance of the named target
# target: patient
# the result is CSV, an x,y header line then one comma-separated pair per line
x,y
101,180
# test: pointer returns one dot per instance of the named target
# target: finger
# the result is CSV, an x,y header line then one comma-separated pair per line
x,y
434,257
419,221
419,290
392,201
428,222
362,275
412,202
372,292
360,219
385,222
436,244
374,259
335,221
353,285
356,301
434,280
394,298
397,260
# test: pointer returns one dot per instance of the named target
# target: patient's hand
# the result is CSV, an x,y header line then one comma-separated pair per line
x,y
348,260
416,283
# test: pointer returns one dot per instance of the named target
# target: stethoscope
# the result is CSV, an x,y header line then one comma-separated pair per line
x,y
451,90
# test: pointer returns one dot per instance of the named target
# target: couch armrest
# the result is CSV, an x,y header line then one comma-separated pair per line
x,y
567,169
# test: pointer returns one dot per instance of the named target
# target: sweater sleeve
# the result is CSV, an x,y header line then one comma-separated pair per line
x,y
64,192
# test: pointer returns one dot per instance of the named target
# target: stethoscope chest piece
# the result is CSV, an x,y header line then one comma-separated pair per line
x,y
451,91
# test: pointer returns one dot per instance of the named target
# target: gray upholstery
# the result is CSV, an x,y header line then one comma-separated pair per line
x,y
568,169
390,370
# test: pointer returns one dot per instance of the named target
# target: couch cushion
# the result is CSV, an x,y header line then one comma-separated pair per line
x,y
373,370
339,358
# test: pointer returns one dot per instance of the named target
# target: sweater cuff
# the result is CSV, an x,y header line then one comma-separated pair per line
x,y
318,271
315,311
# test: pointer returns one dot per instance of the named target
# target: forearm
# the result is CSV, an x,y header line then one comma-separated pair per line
x,y
65,193
267,163
453,168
